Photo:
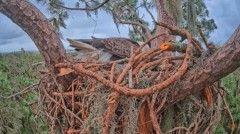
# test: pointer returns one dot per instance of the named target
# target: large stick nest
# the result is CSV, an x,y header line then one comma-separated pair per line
x,y
132,95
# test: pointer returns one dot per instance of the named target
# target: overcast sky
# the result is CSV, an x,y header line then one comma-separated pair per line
x,y
12,38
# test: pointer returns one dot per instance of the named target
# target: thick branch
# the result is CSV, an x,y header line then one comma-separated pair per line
x,y
221,63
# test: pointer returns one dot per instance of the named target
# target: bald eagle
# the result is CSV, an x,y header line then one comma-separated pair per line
x,y
103,50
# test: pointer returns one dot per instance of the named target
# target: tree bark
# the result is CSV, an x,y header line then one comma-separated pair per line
x,y
165,18
223,62
40,30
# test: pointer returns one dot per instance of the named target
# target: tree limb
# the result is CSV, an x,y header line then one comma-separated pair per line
x,y
221,63
85,9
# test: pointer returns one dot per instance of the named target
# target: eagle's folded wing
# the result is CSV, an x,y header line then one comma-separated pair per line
x,y
106,49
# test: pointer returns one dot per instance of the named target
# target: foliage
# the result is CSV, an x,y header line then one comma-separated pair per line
x,y
187,14
196,14
17,73
232,86
59,14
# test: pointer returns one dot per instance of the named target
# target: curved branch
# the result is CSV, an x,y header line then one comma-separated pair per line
x,y
86,9
145,6
148,31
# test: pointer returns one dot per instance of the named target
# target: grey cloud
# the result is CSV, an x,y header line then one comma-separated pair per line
x,y
12,37
9,30
227,17
4,42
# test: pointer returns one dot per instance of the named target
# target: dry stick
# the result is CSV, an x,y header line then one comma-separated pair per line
x,y
161,105
54,106
203,37
63,102
118,61
112,71
131,72
153,114
157,62
179,128
67,110
73,131
197,45
54,118
144,58
209,126
110,111
197,121
227,107
86,9
76,93
73,101
93,87
144,55
21,92
150,64
143,117
112,106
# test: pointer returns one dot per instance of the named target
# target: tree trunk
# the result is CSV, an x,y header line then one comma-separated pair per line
x,y
221,63
40,30
165,18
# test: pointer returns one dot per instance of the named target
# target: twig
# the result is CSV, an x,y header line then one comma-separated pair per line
x,y
20,92
65,109
147,30
157,62
145,6
203,37
180,128
112,71
54,118
86,9
76,93
38,63
130,78
161,105
227,108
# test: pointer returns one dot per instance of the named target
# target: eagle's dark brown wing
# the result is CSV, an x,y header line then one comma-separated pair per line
x,y
119,47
